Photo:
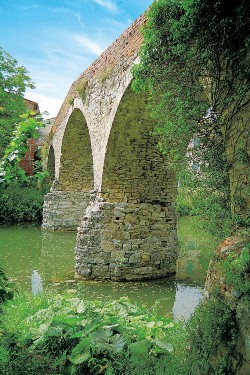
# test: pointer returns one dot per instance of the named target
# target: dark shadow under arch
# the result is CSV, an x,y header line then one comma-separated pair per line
x,y
76,164
51,165
134,169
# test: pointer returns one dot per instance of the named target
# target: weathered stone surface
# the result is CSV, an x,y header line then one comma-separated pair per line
x,y
239,302
124,259
64,209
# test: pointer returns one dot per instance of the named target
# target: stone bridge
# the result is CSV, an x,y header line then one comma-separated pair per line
x,y
110,180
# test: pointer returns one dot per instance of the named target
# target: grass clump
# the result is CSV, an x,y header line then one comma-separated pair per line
x,y
105,73
81,88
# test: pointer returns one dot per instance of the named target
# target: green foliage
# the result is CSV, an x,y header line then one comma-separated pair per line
x,y
6,289
197,196
71,101
20,202
191,228
211,340
194,66
236,269
70,336
60,335
14,80
9,167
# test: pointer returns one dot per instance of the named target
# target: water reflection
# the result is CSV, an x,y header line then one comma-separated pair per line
x,y
186,299
24,248
49,256
36,283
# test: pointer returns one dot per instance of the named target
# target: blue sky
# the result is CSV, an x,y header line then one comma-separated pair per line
x,y
56,40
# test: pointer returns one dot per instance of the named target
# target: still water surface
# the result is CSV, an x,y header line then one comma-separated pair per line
x,y
34,258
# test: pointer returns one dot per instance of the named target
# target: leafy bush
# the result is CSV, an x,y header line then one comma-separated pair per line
x,y
209,206
211,340
237,270
10,169
68,336
6,287
20,203
59,335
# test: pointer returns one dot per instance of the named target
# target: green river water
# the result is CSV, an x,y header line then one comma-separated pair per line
x,y
25,249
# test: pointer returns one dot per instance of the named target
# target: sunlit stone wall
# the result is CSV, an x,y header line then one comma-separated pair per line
x,y
110,179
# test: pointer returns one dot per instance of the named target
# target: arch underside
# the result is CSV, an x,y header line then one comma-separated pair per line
x,y
76,164
131,232
134,170
51,165
64,206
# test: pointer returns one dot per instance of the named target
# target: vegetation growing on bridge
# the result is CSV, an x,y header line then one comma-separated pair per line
x,y
195,67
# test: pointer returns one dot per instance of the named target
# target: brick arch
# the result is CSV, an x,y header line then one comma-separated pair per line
x,y
76,162
134,169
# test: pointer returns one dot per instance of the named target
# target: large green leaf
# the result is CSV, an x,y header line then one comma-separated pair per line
x,y
105,342
79,358
162,347
81,352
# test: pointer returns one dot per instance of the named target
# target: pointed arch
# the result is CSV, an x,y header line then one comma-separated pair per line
x,y
134,169
76,163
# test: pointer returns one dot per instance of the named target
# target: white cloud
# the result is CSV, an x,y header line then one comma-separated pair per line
x,y
88,43
110,5
46,103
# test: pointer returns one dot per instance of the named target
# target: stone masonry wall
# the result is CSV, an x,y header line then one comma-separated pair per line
x,y
63,210
51,165
135,170
94,103
128,229
69,196
97,93
121,241
129,232
76,164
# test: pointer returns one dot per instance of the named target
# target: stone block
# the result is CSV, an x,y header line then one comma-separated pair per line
x,y
135,258
145,258
127,247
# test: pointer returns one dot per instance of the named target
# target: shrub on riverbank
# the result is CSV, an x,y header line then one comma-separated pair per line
x,y
60,335
20,203
6,287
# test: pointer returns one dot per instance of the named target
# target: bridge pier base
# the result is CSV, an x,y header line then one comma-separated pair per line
x,y
125,241
63,210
